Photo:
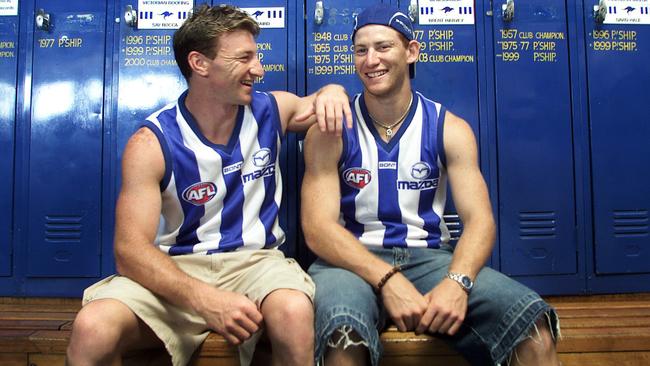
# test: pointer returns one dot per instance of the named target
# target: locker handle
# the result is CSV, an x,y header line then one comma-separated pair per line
x,y
43,20
319,13
600,12
130,16
413,10
508,10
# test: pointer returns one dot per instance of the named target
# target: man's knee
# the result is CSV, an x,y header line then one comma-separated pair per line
x,y
289,309
539,346
346,347
96,330
288,306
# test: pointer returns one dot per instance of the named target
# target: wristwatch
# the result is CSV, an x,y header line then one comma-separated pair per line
x,y
463,280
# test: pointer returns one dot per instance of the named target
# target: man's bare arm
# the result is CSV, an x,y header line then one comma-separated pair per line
x,y
137,216
448,301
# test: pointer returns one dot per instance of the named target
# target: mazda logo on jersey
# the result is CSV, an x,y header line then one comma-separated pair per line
x,y
420,170
357,177
262,157
200,193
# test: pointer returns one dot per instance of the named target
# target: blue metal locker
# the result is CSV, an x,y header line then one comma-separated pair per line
x,y
8,71
534,138
147,75
65,139
618,78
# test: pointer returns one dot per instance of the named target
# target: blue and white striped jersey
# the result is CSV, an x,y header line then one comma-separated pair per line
x,y
393,194
218,198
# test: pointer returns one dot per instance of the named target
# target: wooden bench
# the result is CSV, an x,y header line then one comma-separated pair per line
x,y
596,330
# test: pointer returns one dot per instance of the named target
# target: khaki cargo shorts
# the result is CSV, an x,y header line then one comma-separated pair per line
x,y
254,273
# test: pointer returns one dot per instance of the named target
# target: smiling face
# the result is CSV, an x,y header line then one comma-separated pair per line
x,y
235,67
381,57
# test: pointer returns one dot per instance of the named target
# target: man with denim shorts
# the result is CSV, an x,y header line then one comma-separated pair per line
x,y
209,165
372,210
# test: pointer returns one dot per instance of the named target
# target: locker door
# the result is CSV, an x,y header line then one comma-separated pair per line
x,y
147,71
328,42
534,138
65,142
618,77
447,70
8,69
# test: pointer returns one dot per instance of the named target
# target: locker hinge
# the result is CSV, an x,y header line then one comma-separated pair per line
x,y
130,16
600,12
43,20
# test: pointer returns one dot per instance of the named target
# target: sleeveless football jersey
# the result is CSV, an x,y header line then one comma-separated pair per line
x,y
393,194
219,198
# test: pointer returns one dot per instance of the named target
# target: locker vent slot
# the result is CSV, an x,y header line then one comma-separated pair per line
x,y
454,225
63,229
537,225
630,223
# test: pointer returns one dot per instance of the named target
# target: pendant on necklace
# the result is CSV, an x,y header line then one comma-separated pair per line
x,y
389,133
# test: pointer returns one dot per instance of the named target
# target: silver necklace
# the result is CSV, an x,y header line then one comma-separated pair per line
x,y
389,128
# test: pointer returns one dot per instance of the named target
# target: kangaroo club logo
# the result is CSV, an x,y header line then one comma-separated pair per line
x,y
420,170
200,193
262,157
357,177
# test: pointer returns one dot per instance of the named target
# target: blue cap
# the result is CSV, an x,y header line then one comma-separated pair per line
x,y
390,16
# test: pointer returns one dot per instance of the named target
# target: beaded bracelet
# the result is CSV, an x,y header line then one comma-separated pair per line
x,y
387,276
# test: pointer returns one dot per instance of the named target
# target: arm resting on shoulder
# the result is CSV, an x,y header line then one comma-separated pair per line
x,y
327,107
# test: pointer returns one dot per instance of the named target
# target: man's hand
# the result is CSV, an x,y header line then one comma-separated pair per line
x,y
232,315
446,309
330,106
404,303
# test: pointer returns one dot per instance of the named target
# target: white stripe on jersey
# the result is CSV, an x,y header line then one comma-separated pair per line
x,y
367,201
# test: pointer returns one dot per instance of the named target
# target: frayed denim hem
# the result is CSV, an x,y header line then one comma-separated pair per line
x,y
346,319
526,314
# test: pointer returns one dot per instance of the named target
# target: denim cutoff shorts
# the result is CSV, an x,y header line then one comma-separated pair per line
x,y
501,311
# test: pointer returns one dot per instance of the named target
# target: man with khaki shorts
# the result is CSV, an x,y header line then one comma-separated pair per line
x,y
208,164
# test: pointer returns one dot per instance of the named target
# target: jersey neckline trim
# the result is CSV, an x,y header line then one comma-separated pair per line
x,y
191,121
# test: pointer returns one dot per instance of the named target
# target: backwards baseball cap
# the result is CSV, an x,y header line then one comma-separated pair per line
x,y
390,16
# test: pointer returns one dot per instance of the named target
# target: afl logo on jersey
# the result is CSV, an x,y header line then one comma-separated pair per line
x,y
357,177
262,157
200,193
420,170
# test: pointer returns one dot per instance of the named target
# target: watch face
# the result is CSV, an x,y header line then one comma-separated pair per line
x,y
467,282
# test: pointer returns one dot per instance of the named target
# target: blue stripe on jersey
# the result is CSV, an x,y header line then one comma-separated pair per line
x,y
165,150
349,194
186,173
430,136
440,125
270,209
